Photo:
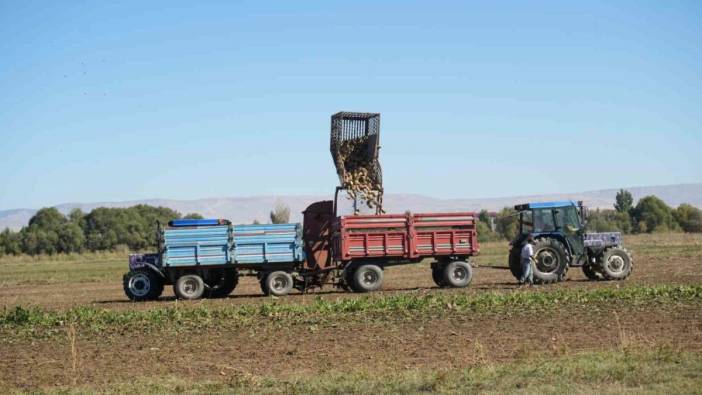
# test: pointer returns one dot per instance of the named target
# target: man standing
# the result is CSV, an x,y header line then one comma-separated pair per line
x,y
526,256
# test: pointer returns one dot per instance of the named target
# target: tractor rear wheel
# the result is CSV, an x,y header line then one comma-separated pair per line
x,y
616,264
142,284
592,272
189,287
222,284
551,261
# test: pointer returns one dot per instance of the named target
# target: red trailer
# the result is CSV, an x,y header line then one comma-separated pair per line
x,y
359,247
354,250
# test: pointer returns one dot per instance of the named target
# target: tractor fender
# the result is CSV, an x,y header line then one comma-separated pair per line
x,y
154,269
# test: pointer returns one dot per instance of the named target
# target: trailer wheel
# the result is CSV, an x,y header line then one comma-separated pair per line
x,y
367,278
277,283
457,274
189,287
221,286
142,284
437,274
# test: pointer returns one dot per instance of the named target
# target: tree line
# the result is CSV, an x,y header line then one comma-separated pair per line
x,y
650,214
134,228
51,232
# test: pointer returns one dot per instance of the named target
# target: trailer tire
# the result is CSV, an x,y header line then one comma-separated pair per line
x,y
142,284
224,286
457,274
616,264
437,274
367,278
278,283
189,287
551,261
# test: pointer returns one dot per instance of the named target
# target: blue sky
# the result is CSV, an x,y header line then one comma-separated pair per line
x,y
106,101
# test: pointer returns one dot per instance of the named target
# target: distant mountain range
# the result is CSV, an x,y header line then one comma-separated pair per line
x,y
247,209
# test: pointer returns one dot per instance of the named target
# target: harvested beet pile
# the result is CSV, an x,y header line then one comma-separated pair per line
x,y
355,139
359,173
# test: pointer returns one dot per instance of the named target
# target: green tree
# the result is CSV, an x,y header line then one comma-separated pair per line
x,y
507,223
651,214
485,233
10,242
41,235
689,218
280,214
484,217
135,227
609,221
193,216
624,201
70,238
77,216
36,240
48,218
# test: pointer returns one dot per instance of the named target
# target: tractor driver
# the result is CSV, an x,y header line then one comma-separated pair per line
x,y
526,256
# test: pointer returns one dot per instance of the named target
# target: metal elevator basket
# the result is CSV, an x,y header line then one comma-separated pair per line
x,y
365,129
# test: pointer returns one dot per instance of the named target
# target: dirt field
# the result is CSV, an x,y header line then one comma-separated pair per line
x,y
316,345
96,281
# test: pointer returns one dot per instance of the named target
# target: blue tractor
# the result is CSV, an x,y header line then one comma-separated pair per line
x,y
561,242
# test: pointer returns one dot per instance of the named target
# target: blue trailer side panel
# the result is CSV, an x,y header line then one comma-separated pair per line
x,y
206,245
275,243
238,245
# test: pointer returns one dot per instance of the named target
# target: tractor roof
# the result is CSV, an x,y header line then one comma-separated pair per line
x,y
530,206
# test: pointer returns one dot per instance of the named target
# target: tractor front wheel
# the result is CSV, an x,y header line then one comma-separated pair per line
x,y
551,261
616,264
142,284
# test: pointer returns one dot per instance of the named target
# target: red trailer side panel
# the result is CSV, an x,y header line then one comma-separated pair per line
x,y
409,236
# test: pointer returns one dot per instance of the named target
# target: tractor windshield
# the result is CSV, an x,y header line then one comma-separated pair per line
x,y
568,219
549,220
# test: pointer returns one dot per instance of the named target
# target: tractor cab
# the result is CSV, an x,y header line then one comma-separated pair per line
x,y
564,220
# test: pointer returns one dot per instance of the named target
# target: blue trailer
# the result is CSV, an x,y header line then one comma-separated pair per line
x,y
205,257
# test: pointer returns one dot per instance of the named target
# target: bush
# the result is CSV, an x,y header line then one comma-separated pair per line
x,y
280,214
689,218
485,233
609,221
651,214
507,223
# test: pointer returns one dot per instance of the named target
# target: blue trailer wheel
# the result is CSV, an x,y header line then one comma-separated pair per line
x,y
189,287
278,283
